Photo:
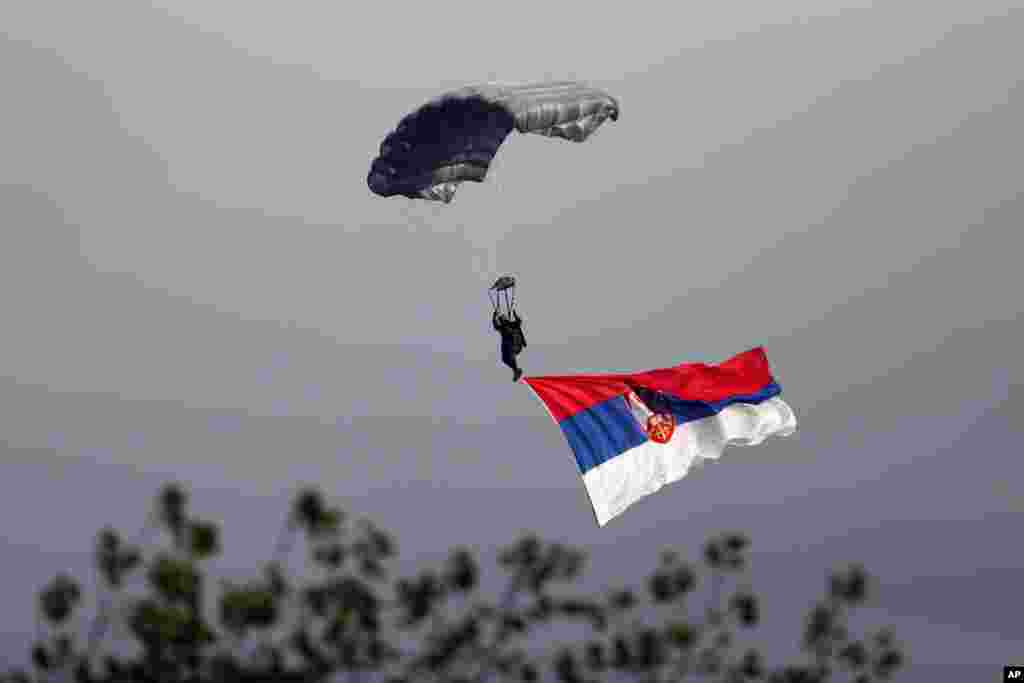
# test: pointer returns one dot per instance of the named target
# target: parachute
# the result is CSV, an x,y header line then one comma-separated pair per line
x,y
503,295
454,138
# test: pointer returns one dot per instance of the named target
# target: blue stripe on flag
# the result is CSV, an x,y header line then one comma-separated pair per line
x,y
686,411
601,432
609,428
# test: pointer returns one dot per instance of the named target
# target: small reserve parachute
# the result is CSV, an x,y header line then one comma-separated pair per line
x,y
503,295
454,138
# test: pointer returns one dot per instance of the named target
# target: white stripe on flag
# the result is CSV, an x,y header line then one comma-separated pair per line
x,y
618,483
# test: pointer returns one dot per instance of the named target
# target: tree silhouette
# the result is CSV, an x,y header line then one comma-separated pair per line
x,y
350,618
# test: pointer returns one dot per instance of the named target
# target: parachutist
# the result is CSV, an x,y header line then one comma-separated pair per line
x,y
507,322
512,340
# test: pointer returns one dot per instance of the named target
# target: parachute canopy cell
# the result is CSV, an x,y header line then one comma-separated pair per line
x,y
454,137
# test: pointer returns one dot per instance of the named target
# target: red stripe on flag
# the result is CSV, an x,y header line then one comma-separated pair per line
x,y
745,373
568,395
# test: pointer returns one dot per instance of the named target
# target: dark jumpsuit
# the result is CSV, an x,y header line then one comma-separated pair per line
x,y
512,339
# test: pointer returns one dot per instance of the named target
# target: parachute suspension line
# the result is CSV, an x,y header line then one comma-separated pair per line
x,y
407,214
413,216
436,212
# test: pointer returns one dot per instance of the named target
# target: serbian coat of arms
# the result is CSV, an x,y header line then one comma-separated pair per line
x,y
659,426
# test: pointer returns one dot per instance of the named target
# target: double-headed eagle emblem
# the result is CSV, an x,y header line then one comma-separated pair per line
x,y
659,427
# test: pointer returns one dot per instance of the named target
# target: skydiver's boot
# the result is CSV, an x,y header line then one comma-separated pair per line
x,y
508,357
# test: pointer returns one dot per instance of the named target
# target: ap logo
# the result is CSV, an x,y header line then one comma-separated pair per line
x,y
1013,673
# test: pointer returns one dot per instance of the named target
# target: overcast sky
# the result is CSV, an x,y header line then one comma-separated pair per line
x,y
195,282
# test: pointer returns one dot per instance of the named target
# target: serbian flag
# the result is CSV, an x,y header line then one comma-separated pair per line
x,y
631,434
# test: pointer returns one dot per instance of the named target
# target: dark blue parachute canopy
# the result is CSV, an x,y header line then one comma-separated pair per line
x,y
453,138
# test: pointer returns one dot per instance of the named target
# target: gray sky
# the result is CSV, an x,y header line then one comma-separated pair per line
x,y
196,283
